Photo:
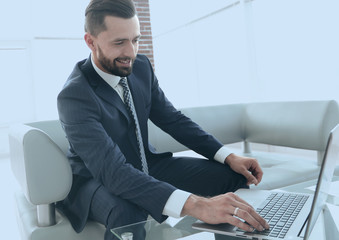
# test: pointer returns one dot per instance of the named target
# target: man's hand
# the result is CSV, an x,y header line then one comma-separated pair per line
x,y
249,167
222,209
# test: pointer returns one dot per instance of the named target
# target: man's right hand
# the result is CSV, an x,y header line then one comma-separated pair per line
x,y
220,209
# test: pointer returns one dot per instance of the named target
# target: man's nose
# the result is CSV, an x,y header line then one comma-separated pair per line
x,y
131,49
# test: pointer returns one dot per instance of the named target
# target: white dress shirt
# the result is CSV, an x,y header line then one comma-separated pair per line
x,y
176,201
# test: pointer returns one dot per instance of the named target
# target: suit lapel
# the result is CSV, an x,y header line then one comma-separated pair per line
x,y
103,90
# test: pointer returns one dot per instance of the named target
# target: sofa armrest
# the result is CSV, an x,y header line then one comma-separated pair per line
x,y
39,165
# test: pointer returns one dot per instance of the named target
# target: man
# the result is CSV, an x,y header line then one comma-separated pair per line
x,y
118,176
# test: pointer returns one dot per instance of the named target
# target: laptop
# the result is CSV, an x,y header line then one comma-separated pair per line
x,y
290,215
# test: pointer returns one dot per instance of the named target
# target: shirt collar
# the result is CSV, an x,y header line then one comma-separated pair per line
x,y
111,79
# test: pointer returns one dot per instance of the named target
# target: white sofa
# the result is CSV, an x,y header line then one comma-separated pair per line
x,y
40,166
300,125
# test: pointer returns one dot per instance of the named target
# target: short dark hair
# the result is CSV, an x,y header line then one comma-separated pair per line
x,y
97,10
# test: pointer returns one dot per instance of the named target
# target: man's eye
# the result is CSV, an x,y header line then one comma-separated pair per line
x,y
118,43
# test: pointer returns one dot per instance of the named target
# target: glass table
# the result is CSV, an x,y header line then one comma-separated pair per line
x,y
152,230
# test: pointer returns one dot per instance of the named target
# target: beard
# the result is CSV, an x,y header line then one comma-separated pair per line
x,y
111,66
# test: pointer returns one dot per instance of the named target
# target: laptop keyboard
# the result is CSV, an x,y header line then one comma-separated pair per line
x,y
280,210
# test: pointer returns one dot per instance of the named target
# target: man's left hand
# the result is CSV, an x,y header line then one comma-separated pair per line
x,y
249,167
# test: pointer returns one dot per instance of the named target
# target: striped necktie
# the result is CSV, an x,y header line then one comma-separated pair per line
x,y
130,107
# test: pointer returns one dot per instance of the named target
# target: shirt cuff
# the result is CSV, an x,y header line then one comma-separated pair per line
x,y
175,203
222,154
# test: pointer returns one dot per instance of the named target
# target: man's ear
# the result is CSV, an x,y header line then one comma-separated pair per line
x,y
89,39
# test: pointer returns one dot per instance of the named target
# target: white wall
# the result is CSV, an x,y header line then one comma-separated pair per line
x,y
40,43
206,52
203,51
263,50
297,46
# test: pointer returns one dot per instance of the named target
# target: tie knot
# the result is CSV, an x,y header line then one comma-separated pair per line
x,y
123,82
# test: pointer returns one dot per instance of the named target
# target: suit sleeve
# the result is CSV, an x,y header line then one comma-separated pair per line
x,y
181,128
79,114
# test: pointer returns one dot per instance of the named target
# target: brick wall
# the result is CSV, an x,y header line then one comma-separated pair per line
x,y
145,44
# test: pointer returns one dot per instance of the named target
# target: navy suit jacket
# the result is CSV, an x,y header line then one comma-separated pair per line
x,y
103,146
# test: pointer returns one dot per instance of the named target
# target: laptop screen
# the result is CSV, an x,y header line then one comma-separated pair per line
x,y
325,179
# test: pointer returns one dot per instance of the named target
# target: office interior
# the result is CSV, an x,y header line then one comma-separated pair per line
x,y
205,53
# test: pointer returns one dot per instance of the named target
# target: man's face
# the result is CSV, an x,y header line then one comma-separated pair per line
x,y
115,49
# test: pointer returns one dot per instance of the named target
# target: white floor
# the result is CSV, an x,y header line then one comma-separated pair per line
x,y
8,185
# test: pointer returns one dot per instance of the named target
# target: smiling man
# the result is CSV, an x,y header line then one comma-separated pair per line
x,y
120,43
118,177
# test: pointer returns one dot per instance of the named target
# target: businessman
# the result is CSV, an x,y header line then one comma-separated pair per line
x,y
119,178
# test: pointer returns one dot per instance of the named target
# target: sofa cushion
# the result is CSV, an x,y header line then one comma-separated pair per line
x,y
284,169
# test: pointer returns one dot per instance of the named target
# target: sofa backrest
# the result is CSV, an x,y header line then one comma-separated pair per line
x,y
225,122
303,124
